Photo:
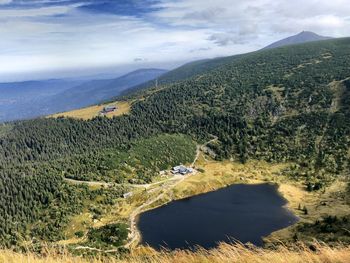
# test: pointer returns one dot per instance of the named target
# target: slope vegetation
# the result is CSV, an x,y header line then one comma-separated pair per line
x,y
225,253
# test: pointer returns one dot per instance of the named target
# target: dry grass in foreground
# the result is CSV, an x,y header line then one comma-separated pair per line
x,y
224,253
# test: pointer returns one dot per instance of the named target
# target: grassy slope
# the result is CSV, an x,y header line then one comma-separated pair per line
x,y
225,253
94,111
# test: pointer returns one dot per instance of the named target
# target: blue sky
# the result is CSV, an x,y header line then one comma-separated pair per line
x,y
53,38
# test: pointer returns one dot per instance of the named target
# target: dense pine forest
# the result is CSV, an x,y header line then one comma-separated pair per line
x,y
290,104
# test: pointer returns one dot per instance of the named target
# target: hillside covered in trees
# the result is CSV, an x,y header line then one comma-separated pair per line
x,y
290,104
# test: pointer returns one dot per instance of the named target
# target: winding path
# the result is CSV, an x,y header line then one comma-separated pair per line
x,y
200,147
94,183
134,232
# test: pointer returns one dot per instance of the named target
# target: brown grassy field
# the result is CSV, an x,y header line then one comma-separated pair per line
x,y
94,111
224,253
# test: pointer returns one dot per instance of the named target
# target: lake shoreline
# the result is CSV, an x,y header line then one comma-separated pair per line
x,y
220,174
266,188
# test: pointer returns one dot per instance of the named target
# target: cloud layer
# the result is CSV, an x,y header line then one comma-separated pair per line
x,y
66,35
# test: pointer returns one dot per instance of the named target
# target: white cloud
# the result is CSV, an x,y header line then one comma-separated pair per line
x,y
322,24
5,2
259,17
36,12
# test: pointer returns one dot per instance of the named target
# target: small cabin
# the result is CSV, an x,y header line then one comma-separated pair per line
x,y
181,170
108,109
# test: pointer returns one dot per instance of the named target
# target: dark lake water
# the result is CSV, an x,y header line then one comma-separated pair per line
x,y
240,212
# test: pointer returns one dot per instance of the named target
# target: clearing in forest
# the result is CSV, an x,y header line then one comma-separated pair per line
x,y
122,107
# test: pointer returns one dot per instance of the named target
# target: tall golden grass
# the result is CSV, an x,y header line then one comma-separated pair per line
x,y
224,253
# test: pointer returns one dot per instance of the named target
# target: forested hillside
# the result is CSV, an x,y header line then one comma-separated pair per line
x,y
286,104
187,71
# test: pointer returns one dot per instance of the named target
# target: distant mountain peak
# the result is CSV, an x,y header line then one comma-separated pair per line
x,y
310,34
302,37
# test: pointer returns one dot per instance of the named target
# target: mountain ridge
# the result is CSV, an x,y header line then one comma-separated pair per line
x,y
203,66
300,38
97,91
39,98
